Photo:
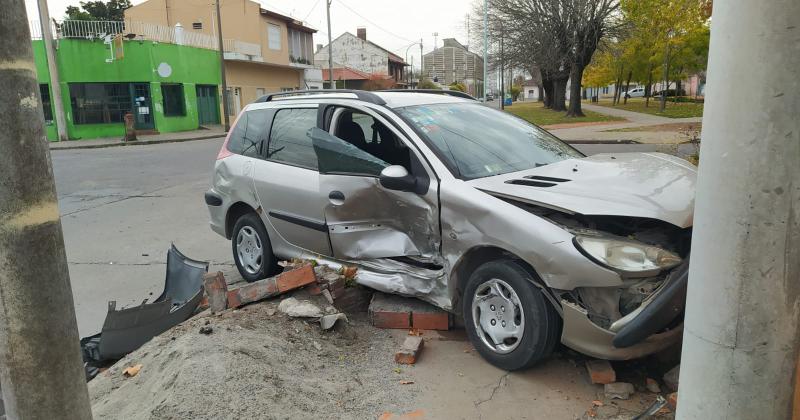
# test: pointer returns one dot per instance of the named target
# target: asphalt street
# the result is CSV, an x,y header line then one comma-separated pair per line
x,y
122,207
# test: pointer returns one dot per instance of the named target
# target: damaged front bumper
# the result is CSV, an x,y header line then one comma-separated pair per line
x,y
649,329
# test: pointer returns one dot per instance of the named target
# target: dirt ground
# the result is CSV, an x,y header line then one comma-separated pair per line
x,y
259,363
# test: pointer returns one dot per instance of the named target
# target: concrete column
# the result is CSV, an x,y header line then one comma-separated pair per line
x,y
41,371
740,344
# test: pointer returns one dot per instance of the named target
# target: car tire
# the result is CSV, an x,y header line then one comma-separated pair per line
x,y
252,250
526,336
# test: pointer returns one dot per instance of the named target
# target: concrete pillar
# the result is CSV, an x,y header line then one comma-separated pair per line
x,y
740,344
41,371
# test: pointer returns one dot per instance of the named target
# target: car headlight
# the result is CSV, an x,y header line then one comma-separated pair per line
x,y
626,255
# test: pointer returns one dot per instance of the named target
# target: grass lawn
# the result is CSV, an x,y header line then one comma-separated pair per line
x,y
536,113
673,110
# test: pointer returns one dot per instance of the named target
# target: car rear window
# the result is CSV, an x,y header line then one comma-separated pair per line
x,y
250,132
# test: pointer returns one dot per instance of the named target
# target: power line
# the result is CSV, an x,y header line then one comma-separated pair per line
x,y
311,11
380,27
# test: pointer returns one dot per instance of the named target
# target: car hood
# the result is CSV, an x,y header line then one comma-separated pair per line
x,y
650,185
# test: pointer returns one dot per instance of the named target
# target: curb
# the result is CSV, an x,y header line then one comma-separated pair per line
x,y
602,142
133,143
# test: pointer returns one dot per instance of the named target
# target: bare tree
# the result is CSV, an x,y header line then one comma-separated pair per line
x,y
558,37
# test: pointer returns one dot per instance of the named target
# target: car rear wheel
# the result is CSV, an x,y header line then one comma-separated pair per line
x,y
252,250
508,319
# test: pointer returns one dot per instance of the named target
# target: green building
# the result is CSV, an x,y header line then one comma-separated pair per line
x,y
167,87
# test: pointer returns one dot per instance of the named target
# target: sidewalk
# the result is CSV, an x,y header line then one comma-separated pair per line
x,y
600,133
213,131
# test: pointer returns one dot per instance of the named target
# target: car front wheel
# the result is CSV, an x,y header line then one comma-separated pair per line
x,y
508,319
252,250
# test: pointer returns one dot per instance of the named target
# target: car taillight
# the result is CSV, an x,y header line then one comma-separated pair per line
x,y
224,152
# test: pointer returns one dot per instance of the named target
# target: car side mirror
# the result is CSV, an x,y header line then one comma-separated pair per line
x,y
396,177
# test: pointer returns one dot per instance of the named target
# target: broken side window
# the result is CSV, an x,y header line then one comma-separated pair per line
x,y
250,132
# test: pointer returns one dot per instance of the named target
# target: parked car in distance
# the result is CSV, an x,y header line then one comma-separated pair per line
x,y
469,208
635,92
670,92
490,97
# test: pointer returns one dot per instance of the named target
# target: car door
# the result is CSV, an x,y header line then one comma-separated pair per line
x,y
287,184
366,220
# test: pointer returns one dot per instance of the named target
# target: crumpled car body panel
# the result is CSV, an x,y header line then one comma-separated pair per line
x,y
649,185
126,329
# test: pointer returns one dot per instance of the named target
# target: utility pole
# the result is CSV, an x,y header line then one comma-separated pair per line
x,y
502,76
52,68
421,62
740,341
330,45
485,45
221,52
41,371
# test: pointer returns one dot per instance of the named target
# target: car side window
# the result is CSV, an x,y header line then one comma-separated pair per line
x,y
250,132
289,140
365,145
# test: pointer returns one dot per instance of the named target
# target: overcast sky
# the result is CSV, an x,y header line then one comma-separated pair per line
x,y
391,24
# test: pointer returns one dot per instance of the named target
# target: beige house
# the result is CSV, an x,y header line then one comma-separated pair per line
x,y
264,51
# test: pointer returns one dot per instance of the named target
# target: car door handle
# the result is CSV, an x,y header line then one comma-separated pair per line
x,y
336,195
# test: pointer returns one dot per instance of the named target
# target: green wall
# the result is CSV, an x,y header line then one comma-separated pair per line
x,y
85,61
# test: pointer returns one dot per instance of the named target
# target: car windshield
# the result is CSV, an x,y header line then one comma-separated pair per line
x,y
478,141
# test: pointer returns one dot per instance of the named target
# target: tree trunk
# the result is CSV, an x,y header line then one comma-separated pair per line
x,y
559,94
666,81
548,92
618,86
648,90
540,91
627,86
576,75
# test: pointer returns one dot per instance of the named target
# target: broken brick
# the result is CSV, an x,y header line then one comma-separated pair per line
x,y
439,320
273,286
217,291
672,401
392,320
410,350
601,372
390,311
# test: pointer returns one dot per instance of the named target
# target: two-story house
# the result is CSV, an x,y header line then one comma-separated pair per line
x,y
264,50
355,56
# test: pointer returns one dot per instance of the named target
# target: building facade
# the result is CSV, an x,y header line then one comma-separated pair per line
x,y
264,51
355,54
166,87
454,63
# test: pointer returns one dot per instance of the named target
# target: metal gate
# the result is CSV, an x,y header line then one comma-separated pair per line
x,y
207,104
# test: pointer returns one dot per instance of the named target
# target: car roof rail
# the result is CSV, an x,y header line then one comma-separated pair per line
x,y
360,95
455,93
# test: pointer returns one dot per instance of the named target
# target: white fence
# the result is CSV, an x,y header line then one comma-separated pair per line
x,y
96,29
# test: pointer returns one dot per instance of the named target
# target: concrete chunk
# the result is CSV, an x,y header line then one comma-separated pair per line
x,y
410,350
618,390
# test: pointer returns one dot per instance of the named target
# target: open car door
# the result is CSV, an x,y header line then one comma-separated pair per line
x,y
365,219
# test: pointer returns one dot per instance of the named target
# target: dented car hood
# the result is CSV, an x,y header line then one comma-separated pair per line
x,y
650,185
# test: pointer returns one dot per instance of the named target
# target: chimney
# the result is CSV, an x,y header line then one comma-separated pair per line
x,y
361,33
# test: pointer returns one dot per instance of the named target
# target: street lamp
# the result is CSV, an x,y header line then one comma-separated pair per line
x,y
410,82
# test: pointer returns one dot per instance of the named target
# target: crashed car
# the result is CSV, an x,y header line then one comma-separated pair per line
x,y
439,197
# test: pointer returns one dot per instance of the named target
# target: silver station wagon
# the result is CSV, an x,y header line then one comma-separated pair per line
x,y
440,197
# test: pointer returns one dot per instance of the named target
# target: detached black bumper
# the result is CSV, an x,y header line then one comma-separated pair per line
x,y
661,311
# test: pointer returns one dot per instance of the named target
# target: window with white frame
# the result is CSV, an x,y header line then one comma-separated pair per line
x,y
300,46
274,36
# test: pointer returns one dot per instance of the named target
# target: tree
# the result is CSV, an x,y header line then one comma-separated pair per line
x,y
98,10
458,86
427,84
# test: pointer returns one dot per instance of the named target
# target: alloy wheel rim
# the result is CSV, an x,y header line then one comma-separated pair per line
x,y
497,315
249,250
